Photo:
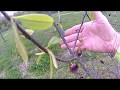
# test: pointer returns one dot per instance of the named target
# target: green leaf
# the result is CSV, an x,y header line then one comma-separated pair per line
x,y
36,21
52,62
39,57
59,24
92,15
51,68
38,53
19,45
29,31
53,58
53,40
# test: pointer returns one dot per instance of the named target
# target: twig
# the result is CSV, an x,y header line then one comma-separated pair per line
x,y
117,66
61,33
70,60
28,36
42,47
88,16
79,31
74,55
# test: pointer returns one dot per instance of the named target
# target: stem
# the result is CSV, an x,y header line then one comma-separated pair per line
x,y
61,33
74,55
88,16
117,66
70,60
28,36
79,31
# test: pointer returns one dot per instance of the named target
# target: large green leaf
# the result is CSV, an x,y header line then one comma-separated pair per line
x,y
19,45
36,21
53,40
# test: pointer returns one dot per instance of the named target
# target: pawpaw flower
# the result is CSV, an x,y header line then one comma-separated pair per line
x,y
74,68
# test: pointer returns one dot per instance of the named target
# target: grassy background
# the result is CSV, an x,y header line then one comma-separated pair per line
x,y
12,66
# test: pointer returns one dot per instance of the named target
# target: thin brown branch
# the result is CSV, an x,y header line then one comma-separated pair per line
x,y
29,37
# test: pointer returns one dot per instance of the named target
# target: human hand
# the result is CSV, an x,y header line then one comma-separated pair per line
x,y
98,35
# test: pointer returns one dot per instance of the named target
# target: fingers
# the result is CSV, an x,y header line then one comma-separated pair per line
x,y
82,48
98,15
71,37
73,30
71,44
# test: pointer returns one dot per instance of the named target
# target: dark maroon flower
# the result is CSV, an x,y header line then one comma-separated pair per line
x,y
74,68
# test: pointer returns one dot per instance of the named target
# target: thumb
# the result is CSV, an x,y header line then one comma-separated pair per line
x,y
99,16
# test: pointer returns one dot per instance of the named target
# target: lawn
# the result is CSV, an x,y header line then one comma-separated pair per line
x,y
12,66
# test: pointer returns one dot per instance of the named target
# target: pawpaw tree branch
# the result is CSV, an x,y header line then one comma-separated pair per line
x,y
43,48
25,33
75,57
61,33
30,37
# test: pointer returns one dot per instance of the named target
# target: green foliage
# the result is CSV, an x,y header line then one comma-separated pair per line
x,y
36,21
39,57
19,45
52,61
53,40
